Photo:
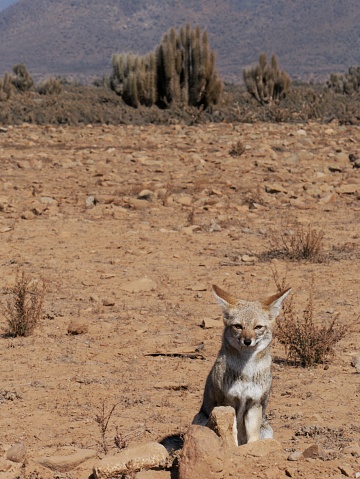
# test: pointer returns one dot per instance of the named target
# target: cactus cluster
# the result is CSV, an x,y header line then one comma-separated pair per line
x,y
345,84
6,87
180,71
267,82
22,80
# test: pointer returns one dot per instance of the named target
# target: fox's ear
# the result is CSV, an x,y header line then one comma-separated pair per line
x,y
225,299
273,303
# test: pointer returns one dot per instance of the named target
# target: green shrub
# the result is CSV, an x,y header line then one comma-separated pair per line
x,y
267,82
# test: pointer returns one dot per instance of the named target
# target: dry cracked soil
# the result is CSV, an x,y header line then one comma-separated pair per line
x,y
130,226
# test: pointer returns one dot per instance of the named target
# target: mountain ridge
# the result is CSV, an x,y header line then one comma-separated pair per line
x,y
78,38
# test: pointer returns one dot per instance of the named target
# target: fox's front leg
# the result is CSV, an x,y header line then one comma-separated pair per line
x,y
253,420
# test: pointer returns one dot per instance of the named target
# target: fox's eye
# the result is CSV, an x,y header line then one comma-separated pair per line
x,y
259,326
237,326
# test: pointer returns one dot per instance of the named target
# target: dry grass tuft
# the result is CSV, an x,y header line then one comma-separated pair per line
x,y
24,306
298,243
306,343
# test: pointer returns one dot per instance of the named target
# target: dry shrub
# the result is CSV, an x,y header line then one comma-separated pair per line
x,y
299,243
306,343
237,149
24,305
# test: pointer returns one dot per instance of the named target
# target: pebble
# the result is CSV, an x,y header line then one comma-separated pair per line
x,y
77,326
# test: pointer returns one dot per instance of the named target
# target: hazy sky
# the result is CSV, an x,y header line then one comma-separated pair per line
x,y
6,3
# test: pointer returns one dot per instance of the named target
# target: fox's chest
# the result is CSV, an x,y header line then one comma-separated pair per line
x,y
243,389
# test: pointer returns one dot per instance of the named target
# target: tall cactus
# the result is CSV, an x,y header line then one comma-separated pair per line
x,y
181,70
267,82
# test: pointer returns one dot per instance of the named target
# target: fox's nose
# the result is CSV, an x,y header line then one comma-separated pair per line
x,y
247,342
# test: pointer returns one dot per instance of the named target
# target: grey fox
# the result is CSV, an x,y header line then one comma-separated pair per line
x,y
241,376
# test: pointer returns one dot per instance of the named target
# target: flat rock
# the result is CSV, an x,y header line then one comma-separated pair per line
x,y
66,460
77,326
153,475
209,323
261,448
135,458
139,285
16,453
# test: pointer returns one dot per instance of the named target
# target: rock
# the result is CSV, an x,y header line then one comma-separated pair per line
x,y
153,475
108,302
329,198
5,466
139,285
190,229
132,459
90,201
202,455
214,226
77,326
347,189
261,448
295,456
185,200
222,422
209,323
146,195
137,204
275,188
67,460
355,363
16,453
347,471
314,451
354,450
245,258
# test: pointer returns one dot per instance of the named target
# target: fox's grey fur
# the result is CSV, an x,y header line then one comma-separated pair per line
x,y
241,376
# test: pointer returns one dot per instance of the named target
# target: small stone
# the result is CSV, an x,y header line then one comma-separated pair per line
x,y
16,453
185,200
5,465
90,201
347,189
347,471
209,323
108,302
139,285
295,456
275,188
145,195
355,363
77,326
138,204
248,259
354,450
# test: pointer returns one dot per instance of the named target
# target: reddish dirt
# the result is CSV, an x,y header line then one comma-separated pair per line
x,y
205,214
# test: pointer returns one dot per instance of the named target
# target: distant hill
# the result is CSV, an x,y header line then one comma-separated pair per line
x,y
78,37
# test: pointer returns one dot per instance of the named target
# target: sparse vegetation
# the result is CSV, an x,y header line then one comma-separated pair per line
x,y
237,149
24,305
345,84
22,80
6,87
103,419
267,82
306,343
50,86
181,71
297,243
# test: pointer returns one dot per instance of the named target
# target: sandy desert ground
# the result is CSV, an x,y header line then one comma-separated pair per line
x,y
130,226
